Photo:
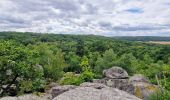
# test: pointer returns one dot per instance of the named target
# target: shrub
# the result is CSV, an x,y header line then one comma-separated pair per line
x,y
71,78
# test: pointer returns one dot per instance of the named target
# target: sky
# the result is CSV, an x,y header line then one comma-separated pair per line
x,y
98,17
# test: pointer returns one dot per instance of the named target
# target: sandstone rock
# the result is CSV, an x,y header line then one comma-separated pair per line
x,y
93,85
27,97
30,97
9,98
55,91
138,78
115,73
102,81
122,84
49,87
144,90
88,93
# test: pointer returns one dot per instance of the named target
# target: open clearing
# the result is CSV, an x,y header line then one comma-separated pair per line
x,y
160,42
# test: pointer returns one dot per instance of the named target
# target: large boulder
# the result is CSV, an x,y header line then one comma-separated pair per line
x,y
142,88
115,73
121,84
93,85
145,90
89,93
55,91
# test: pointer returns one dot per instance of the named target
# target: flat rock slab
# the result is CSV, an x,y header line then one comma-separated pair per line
x,y
28,97
93,85
88,93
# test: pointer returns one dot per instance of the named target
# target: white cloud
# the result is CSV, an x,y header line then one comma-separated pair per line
x,y
104,17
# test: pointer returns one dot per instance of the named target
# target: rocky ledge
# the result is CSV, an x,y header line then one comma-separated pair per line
x,y
116,85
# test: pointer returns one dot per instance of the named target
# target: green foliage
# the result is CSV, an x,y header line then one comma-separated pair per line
x,y
108,60
87,74
26,87
128,62
51,60
70,78
160,96
73,61
29,61
17,61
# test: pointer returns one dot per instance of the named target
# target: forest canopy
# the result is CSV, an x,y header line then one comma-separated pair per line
x,y
30,61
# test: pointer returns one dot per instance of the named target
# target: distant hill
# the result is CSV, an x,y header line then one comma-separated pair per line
x,y
142,38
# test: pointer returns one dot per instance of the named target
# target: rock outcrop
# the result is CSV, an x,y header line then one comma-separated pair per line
x,y
137,85
55,91
142,88
116,77
115,86
89,93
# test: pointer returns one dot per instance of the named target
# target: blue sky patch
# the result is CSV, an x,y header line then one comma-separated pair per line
x,y
135,10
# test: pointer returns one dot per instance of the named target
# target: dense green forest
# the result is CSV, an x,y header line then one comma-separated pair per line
x,y
142,38
30,61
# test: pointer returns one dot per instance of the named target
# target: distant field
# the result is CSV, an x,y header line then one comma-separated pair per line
x,y
159,42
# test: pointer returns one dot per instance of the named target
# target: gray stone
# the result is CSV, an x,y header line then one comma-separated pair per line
x,y
9,98
28,97
88,93
55,91
138,78
122,84
93,85
144,90
102,81
49,87
115,73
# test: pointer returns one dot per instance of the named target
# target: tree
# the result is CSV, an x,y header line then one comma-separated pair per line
x,y
87,74
17,62
52,61
80,47
108,60
73,62
129,63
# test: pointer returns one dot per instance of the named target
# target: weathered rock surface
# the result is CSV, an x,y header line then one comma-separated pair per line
x,y
49,87
88,93
142,88
109,88
138,78
137,85
9,98
116,77
55,91
122,84
28,97
93,85
115,73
